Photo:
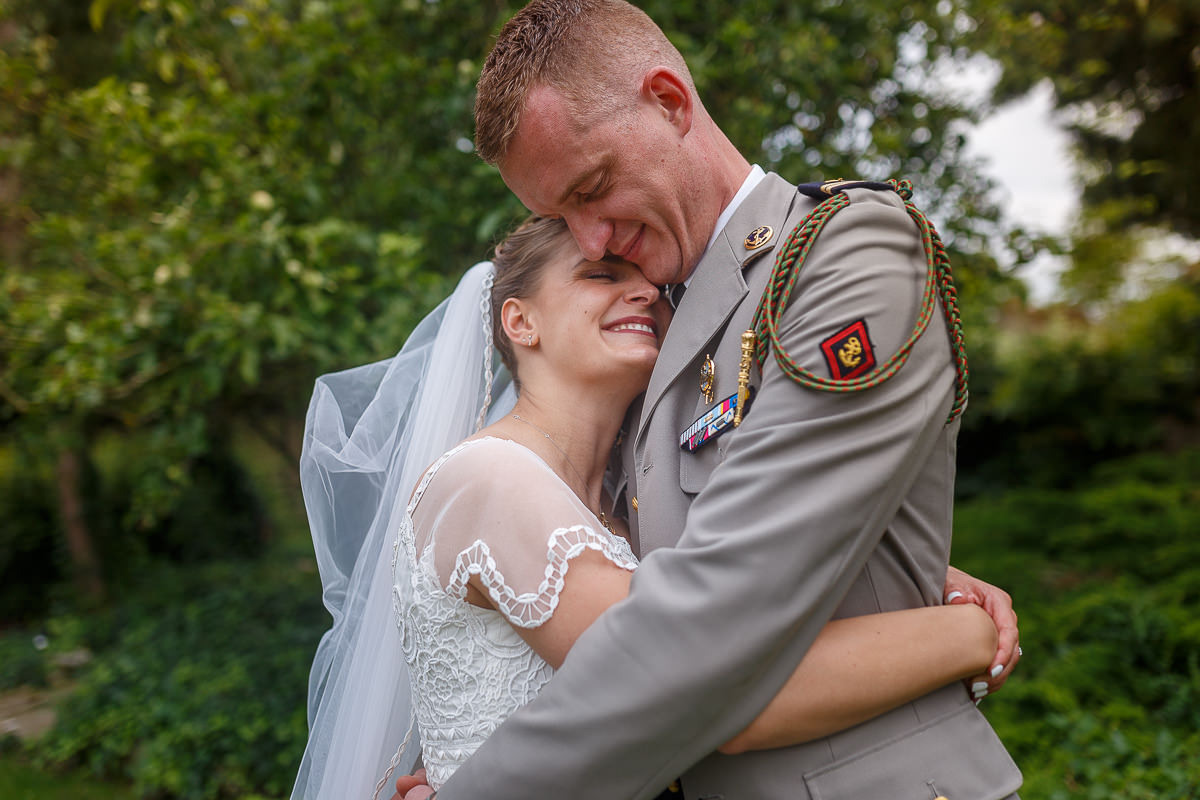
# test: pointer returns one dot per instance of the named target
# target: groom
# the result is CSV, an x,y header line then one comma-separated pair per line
x,y
820,505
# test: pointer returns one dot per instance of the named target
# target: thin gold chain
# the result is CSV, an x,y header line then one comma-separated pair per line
x,y
600,516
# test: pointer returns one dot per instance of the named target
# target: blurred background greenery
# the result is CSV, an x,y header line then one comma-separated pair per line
x,y
206,204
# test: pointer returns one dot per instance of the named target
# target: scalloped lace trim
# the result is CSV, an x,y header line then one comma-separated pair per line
x,y
531,609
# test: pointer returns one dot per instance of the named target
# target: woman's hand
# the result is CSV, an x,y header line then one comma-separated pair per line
x,y
413,787
964,588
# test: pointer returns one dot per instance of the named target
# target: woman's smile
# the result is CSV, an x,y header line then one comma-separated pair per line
x,y
644,326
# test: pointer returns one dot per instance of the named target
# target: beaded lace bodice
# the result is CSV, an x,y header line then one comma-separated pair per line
x,y
492,508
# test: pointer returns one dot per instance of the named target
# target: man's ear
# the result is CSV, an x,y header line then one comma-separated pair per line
x,y
517,322
669,93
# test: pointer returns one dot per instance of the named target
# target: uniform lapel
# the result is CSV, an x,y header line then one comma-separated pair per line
x,y
717,287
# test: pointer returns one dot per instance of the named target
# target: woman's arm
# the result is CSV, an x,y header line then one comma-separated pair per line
x,y
856,669
860,667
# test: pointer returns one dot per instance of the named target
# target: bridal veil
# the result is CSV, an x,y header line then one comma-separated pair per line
x,y
370,433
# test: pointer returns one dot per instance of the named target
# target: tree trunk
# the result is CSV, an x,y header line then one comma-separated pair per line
x,y
10,181
85,567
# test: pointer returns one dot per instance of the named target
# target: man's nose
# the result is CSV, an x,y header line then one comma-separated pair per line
x,y
591,233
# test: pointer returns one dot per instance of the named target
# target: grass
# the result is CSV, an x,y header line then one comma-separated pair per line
x,y
19,780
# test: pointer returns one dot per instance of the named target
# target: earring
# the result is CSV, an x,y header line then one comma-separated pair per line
x,y
528,341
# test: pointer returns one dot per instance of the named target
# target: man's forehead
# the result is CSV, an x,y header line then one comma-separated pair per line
x,y
545,177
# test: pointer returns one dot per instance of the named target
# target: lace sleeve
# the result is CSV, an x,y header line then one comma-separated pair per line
x,y
496,510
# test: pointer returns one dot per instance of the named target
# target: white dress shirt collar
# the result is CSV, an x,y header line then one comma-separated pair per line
x,y
748,186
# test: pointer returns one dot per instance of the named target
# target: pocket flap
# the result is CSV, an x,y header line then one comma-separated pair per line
x,y
957,756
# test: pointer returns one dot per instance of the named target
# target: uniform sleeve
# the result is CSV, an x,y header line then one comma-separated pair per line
x,y
494,509
714,626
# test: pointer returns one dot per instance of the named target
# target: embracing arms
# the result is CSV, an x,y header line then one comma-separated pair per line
x,y
856,669
660,666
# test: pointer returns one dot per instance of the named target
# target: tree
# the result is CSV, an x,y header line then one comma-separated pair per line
x,y
1127,75
219,201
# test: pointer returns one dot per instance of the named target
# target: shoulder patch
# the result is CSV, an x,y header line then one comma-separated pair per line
x,y
849,352
826,189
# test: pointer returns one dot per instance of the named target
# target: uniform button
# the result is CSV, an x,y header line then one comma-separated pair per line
x,y
633,503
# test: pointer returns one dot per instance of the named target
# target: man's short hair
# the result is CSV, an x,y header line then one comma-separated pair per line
x,y
587,49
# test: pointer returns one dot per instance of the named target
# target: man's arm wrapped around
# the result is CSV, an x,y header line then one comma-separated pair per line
x,y
809,483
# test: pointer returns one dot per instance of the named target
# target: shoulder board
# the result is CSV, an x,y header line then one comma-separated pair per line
x,y
821,191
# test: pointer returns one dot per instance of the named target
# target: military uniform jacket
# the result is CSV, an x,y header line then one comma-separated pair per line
x,y
820,505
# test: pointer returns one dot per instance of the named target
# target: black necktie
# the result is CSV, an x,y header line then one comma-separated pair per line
x,y
674,293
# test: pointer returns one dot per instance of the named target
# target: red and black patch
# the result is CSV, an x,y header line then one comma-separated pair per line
x,y
848,352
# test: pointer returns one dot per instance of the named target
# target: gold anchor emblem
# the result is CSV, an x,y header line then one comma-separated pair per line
x,y
850,354
758,237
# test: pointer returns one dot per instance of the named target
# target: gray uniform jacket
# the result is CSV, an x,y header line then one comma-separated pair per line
x,y
820,505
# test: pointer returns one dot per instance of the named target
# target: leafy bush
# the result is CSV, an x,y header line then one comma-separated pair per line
x,y
29,563
218,515
21,662
199,694
1106,579
1053,394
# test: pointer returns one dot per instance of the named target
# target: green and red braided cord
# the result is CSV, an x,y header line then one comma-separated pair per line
x,y
938,283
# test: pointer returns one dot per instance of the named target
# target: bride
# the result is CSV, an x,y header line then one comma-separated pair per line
x,y
495,549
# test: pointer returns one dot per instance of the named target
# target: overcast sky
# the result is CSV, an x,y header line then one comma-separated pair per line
x,y
1029,155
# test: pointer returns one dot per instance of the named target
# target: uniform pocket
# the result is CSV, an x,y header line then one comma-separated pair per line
x,y
696,468
957,756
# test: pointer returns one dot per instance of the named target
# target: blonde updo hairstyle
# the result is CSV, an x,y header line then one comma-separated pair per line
x,y
519,262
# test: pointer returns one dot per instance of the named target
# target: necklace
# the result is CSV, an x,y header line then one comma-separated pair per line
x,y
600,516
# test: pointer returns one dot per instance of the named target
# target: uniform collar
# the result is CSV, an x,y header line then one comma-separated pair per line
x,y
719,285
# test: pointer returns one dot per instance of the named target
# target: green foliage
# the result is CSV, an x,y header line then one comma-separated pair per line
x,y
231,208
21,663
21,781
199,693
198,683
1055,398
207,204
1127,70
218,515
1106,702
29,562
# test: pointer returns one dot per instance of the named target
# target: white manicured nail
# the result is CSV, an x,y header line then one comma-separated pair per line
x,y
950,598
996,670
978,686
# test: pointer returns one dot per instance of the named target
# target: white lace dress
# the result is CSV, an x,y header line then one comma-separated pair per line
x,y
489,507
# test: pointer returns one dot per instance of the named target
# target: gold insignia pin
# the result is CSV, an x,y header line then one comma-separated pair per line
x,y
708,376
758,237
633,503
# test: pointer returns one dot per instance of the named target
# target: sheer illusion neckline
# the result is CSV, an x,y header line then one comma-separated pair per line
x,y
429,473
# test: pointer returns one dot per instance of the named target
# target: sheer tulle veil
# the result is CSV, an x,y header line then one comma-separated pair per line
x,y
370,433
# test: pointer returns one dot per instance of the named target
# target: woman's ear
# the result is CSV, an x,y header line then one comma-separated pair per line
x,y
517,321
669,92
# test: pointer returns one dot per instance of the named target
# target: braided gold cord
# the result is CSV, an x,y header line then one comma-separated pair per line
x,y
939,283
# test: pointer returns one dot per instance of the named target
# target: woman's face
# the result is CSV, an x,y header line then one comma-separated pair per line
x,y
598,320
